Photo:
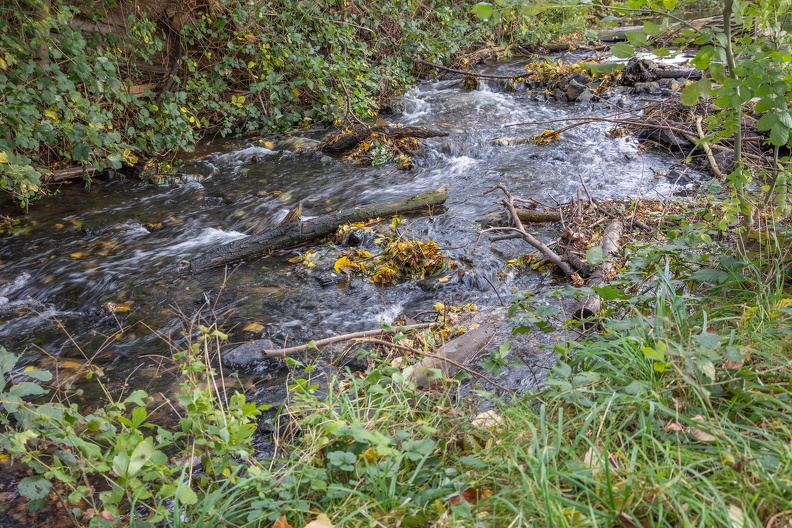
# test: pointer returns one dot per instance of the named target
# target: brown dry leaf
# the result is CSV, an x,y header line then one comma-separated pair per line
x,y
321,521
253,327
471,495
700,434
673,427
281,523
175,220
728,364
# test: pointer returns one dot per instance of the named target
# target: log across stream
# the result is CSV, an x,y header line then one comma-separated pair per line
x,y
295,233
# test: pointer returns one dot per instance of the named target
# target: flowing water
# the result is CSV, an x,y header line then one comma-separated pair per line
x,y
121,241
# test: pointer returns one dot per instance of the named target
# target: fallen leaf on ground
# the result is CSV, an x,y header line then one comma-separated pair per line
x,y
281,523
471,495
487,420
321,521
700,434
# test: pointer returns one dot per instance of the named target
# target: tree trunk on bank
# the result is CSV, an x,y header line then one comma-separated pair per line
x,y
295,233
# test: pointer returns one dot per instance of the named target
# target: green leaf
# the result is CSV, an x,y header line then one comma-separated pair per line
x,y
121,464
718,72
609,20
690,95
661,52
636,38
622,50
140,456
41,375
609,293
713,276
604,68
594,256
35,487
779,135
767,121
27,388
483,10
187,495
703,58
651,28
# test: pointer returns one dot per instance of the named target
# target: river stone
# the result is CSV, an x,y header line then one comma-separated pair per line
x,y
248,354
646,88
585,96
575,89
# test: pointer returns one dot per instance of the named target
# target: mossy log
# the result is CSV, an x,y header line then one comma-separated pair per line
x,y
292,234
338,144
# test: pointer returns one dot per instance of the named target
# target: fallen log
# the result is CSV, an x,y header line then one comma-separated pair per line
x,y
338,144
592,304
295,233
448,358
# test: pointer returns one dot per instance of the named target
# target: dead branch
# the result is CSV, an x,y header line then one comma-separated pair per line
x,y
290,351
519,229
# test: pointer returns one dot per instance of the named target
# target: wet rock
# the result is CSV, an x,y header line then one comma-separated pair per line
x,y
646,88
665,138
575,89
250,354
725,161
585,96
559,96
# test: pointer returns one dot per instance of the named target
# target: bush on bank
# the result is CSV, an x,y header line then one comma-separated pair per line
x,y
107,84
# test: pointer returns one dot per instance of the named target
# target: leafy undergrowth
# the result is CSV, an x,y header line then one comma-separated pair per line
x,y
674,411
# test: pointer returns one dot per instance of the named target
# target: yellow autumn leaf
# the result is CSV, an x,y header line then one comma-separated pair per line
x,y
77,254
546,137
344,265
321,521
253,327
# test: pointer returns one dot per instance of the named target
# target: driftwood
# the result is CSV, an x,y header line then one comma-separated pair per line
x,y
450,357
68,174
295,233
338,144
592,304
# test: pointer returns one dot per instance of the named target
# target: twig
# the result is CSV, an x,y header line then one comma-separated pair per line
x,y
435,356
283,352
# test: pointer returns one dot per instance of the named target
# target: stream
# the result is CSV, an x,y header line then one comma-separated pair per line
x,y
121,241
